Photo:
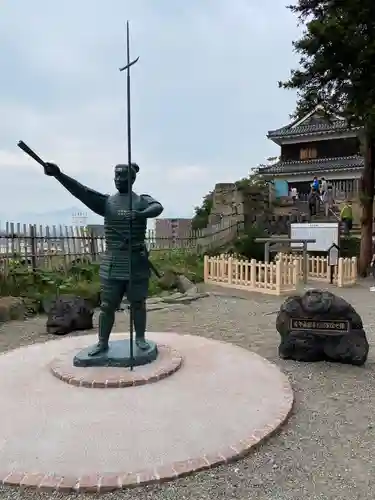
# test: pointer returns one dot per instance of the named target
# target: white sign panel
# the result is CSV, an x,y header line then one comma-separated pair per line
x,y
324,233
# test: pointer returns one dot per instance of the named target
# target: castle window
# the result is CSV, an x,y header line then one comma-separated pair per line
x,y
307,154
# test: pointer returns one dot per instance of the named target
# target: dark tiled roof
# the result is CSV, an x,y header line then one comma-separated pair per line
x,y
310,128
313,123
312,166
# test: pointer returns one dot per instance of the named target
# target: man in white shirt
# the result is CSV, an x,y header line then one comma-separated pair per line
x,y
294,194
323,187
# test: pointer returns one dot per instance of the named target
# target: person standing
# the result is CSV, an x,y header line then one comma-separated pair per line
x,y
372,265
327,198
294,194
346,216
313,201
315,184
324,186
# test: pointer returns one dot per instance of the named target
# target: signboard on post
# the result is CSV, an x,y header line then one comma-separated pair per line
x,y
324,234
333,255
333,260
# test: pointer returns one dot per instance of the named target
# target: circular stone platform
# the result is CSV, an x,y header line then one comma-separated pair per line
x,y
167,363
56,436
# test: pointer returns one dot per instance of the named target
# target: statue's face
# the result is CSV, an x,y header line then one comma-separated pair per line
x,y
122,173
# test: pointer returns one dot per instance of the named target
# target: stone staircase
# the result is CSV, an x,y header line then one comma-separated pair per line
x,y
333,216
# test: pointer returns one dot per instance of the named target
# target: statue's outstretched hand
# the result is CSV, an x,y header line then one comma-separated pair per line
x,y
51,169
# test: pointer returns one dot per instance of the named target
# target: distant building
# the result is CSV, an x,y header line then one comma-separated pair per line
x,y
79,219
316,146
172,229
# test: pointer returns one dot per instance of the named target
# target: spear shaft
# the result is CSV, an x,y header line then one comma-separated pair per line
x,y
130,189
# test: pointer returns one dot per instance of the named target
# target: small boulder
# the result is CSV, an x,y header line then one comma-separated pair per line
x,y
169,280
183,284
172,280
320,326
11,308
68,313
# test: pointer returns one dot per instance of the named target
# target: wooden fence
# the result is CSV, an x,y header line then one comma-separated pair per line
x,y
347,273
344,274
42,245
276,278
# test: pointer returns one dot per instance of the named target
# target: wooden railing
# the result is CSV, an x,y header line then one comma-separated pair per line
x,y
344,273
275,278
347,272
279,277
317,268
35,244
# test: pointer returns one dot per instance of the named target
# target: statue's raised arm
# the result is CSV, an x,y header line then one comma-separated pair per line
x,y
93,200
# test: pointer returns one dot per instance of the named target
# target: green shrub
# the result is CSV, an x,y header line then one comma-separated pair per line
x,y
82,278
181,261
245,245
349,246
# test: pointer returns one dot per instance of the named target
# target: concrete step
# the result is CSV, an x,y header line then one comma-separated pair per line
x,y
319,218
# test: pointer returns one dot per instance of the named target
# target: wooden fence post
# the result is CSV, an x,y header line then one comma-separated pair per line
x,y
93,245
206,269
340,273
296,272
279,268
230,270
253,273
34,246
354,269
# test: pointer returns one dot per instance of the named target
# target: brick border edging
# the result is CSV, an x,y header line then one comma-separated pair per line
x,y
96,483
170,366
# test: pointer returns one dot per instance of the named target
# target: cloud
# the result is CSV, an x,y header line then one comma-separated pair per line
x,y
190,174
13,160
204,95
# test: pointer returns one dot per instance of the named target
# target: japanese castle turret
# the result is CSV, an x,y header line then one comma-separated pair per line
x,y
317,146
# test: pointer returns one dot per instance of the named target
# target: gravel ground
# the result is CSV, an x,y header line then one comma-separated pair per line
x,y
325,451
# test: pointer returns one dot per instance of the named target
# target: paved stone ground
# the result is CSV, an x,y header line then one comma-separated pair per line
x,y
201,416
327,448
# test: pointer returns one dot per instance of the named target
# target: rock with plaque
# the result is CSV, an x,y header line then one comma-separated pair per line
x,y
320,326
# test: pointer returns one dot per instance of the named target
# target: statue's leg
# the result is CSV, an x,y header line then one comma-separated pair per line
x,y
112,292
137,299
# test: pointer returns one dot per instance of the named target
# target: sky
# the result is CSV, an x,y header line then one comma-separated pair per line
x,y
204,95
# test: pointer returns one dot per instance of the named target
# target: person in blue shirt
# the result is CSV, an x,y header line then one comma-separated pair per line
x,y
315,184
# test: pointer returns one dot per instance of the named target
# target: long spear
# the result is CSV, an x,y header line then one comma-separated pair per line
x,y
130,188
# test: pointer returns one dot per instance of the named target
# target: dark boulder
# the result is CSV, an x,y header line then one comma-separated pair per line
x,y
320,326
68,313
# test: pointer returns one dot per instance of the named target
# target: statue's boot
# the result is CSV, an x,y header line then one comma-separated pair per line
x,y
106,321
139,322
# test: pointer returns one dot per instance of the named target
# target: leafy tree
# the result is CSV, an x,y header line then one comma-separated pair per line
x,y
253,184
246,245
337,71
202,213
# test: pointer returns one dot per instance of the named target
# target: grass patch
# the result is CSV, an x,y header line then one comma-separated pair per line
x,y
82,278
